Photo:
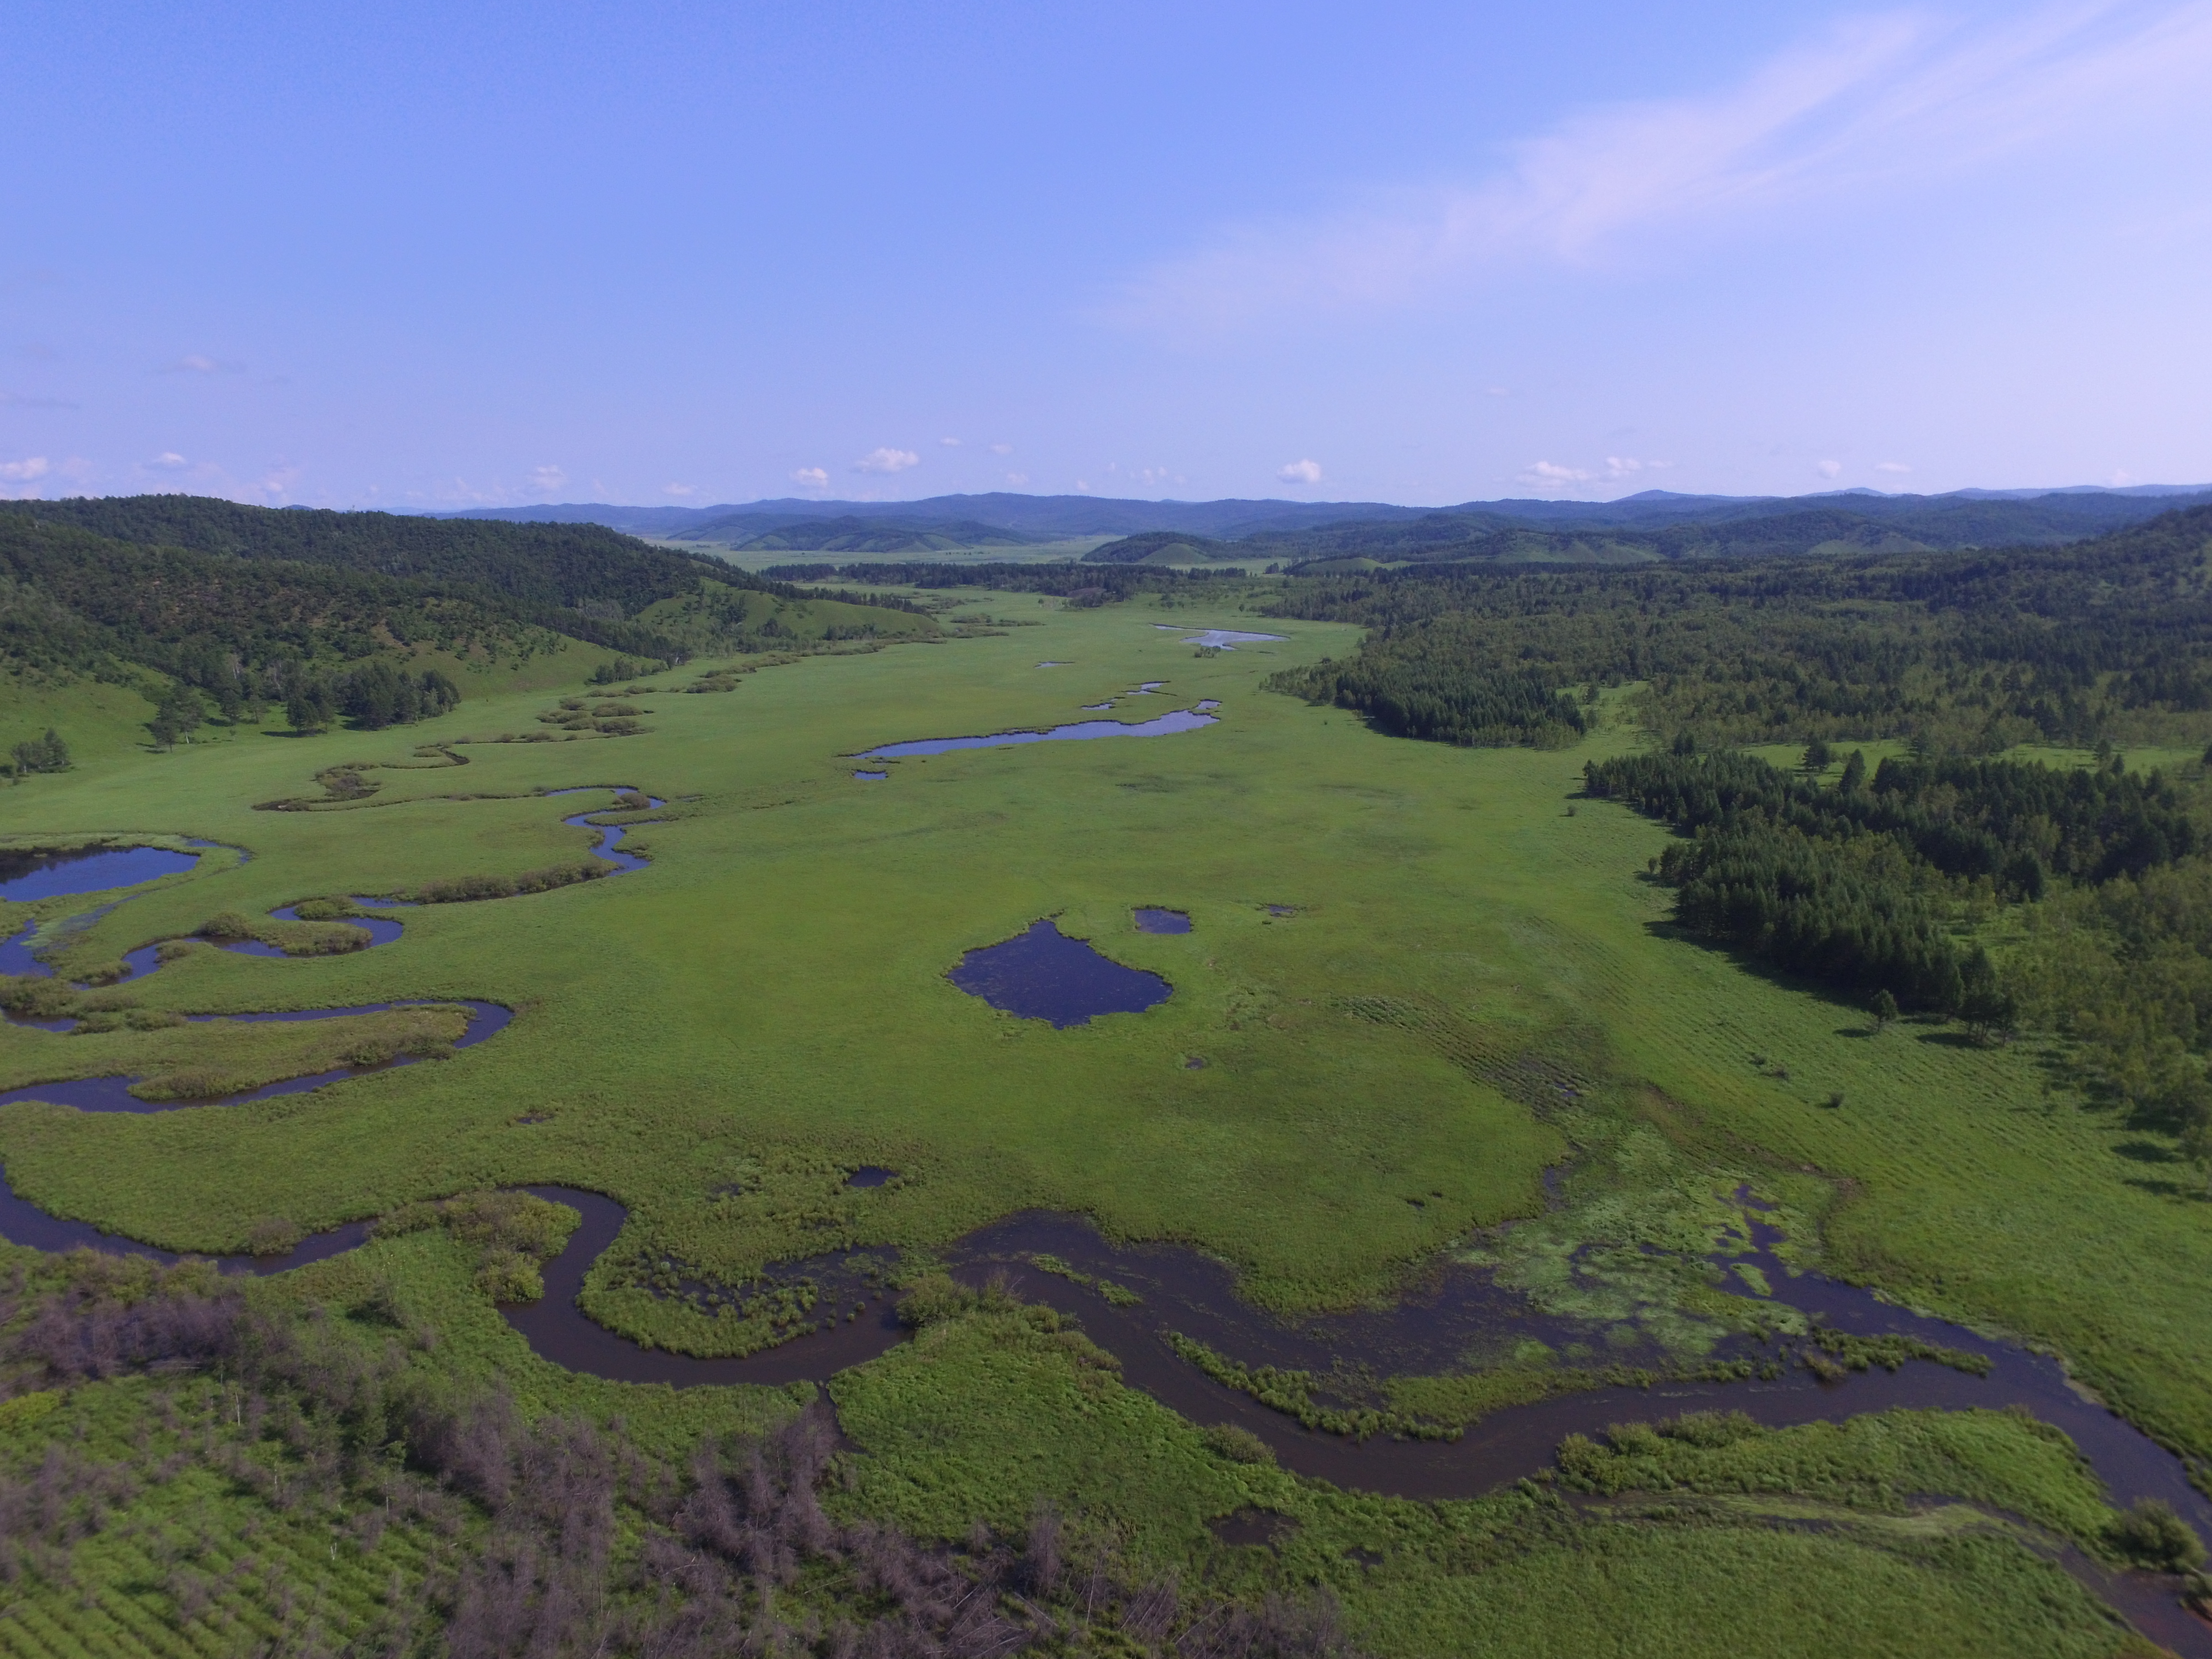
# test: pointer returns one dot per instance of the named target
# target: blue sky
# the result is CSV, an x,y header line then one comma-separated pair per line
x,y
417,256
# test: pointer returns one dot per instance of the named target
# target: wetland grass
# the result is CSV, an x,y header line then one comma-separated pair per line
x,y
769,1011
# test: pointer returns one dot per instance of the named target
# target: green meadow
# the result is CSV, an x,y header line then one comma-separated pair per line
x,y
1420,978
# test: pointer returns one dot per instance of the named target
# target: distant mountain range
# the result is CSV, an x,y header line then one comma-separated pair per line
x,y
1656,524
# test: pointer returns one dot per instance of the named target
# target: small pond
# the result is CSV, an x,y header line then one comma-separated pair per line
x,y
1042,974
1181,720
24,876
1151,920
870,777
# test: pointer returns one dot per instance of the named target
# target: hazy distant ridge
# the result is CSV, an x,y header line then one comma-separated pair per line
x,y
1654,524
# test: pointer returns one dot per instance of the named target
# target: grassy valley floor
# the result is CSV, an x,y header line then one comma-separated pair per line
x,y
1419,978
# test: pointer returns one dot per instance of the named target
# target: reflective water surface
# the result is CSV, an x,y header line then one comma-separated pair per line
x,y
1042,974
1182,720
24,876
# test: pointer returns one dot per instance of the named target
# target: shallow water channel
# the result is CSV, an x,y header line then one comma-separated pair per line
x,y
1180,719
100,872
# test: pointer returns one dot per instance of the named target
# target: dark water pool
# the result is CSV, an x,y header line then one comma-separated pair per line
x,y
1042,974
24,876
1153,920
871,777
871,1174
1181,720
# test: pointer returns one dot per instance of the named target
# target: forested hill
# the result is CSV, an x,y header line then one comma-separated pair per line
x,y
236,619
73,603
1971,652
576,567
1828,525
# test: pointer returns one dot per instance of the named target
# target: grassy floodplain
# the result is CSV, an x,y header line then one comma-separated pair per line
x,y
765,1009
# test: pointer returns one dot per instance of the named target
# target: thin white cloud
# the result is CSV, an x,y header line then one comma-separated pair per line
x,y
198,363
1891,99
169,461
26,470
276,483
950,443
1891,466
679,489
543,480
1303,472
1018,478
1002,449
1829,469
1550,473
887,460
810,477
1618,467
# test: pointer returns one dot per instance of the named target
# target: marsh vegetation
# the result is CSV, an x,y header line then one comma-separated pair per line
x,y
1447,1027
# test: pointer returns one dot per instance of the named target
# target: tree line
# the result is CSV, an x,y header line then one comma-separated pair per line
x,y
1971,652
1852,883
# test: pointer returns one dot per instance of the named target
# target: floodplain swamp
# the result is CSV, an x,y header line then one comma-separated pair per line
x,y
1474,988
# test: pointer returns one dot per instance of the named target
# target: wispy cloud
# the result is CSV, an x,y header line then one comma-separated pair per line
x,y
810,477
544,480
26,470
1886,99
1552,474
168,461
197,363
887,460
1302,473
679,489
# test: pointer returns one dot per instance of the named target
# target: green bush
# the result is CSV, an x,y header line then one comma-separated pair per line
x,y
2152,1536
273,1235
1237,1444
